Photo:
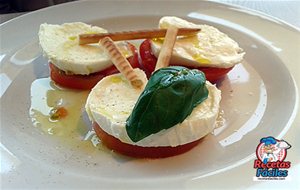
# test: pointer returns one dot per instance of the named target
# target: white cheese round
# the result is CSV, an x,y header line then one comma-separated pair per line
x,y
209,48
60,45
112,100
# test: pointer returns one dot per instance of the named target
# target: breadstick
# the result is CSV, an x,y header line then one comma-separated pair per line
x,y
167,48
121,62
133,35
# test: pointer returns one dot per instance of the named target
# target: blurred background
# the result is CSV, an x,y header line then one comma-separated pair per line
x,y
13,6
287,10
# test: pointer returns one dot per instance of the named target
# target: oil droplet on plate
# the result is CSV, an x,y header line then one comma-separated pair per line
x,y
46,97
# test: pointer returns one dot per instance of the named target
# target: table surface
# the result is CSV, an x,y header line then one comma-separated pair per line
x,y
288,11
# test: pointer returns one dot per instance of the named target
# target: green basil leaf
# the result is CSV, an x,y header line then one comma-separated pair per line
x,y
169,97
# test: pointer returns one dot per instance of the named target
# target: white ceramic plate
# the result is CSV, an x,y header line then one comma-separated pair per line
x,y
259,99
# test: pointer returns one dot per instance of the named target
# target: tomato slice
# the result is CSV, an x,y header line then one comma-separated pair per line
x,y
86,82
138,151
148,61
214,74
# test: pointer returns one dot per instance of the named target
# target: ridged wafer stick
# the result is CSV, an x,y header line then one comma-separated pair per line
x,y
121,62
133,35
167,48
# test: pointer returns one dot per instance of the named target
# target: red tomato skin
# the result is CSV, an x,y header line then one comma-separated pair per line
x,y
139,151
79,82
148,61
87,82
213,74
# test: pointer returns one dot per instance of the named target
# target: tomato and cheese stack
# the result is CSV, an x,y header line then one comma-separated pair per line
x,y
113,100
166,117
79,66
210,51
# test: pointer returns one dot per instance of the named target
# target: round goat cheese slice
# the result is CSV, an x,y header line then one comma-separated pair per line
x,y
60,44
209,48
112,100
